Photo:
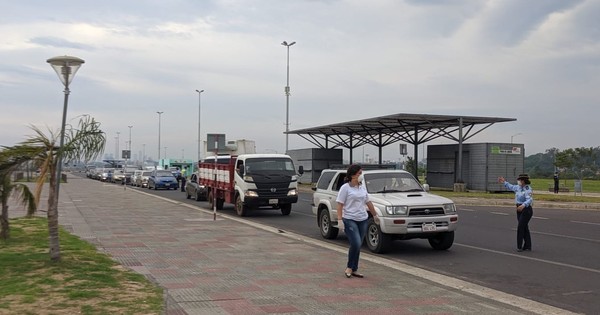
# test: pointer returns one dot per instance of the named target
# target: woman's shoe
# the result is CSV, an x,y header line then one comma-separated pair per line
x,y
348,272
358,275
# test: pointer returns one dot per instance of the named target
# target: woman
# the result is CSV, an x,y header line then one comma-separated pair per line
x,y
524,201
352,201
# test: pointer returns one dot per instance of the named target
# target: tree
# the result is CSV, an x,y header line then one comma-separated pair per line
x,y
580,161
23,196
83,143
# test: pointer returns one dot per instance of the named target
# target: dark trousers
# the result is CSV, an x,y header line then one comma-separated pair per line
x,y
523,234
355,231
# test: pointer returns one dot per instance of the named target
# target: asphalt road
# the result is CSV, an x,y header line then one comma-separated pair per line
x,y
563,270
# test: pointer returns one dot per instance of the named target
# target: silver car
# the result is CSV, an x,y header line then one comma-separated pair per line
x,y
142,179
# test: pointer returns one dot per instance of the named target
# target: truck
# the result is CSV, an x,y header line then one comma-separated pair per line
x,y
251,181
405,208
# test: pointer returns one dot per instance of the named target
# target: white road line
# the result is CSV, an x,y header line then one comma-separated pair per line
x,y
541,218
582,222
565,236
531,258
499,213
471,210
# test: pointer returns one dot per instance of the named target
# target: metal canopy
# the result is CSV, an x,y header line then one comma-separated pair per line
x,y
385,130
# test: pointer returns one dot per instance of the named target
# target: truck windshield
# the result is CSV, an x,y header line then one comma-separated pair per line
x,y
379,183
269,166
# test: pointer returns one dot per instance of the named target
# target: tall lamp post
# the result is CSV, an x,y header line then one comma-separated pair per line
x,y
117,155
199,115
511,137
158,156
130,139
287,96
65,67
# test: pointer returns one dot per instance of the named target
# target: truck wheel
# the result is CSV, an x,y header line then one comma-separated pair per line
x,y
377,241
240,208
327,230
442,241
286,209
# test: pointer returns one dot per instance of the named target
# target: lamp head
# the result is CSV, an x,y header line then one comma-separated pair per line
x,y
65,67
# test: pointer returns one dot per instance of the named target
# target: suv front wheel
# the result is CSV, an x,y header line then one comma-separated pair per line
x,y
377,241
327,230
442,241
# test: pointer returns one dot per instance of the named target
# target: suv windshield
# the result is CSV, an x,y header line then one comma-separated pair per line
x,y
266,166
378,183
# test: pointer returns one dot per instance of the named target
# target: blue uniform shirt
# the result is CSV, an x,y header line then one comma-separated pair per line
x,y
523,195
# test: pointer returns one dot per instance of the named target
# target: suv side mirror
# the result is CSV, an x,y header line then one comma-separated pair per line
x,y
314,187
426,187
300,169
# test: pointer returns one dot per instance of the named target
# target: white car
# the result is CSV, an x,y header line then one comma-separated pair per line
x,y
405,208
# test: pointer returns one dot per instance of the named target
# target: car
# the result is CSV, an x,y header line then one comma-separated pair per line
x,y
118,176
141,179
194,189
106,175
162,179
405,208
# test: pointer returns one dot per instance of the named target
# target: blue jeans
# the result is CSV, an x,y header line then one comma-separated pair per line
x,y
355,231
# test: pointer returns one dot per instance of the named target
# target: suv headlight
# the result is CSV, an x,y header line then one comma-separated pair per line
x,y
251,193
449,208
248,179
292,192
396,210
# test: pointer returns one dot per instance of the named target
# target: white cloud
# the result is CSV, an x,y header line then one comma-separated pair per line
x,y
536,61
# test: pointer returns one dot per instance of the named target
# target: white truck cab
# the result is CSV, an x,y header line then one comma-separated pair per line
x,y
405,208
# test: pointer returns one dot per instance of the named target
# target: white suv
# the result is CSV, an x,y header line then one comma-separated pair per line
x,y
405,208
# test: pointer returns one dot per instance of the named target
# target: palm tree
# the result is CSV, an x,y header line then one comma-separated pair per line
x,y
83,143
23,195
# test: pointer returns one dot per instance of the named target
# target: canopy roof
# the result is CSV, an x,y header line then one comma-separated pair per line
x,y
385,130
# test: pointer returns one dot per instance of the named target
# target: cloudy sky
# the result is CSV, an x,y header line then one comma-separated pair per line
x,y
537,61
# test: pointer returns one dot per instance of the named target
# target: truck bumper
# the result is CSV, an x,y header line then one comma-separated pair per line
x,y
268,202
418,225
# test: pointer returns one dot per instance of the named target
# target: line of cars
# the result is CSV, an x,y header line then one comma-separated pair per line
x,y
135,176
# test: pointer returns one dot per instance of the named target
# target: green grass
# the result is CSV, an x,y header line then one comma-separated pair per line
x,y
84,281
588,185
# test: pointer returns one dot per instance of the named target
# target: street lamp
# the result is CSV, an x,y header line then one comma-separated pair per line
x,y
159,115
65,67
117,146
199,112
130,137
165,153
287,96
511,137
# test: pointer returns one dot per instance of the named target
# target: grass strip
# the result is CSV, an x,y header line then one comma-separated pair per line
x,y
83,282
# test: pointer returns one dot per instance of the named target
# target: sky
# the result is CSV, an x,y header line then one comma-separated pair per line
x,y
537,61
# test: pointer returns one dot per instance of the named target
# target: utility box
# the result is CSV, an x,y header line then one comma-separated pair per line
x,y
482,164
314,161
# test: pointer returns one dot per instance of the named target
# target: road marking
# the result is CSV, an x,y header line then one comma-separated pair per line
x,y
499,213
541,218
565,236
531,258
582,222
471,210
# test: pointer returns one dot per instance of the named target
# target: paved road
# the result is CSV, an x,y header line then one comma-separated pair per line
x,y
563,270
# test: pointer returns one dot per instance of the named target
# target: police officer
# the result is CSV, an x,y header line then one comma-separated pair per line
x,y
524,202
183,178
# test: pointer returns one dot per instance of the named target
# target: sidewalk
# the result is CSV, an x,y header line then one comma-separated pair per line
x,y
231,266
